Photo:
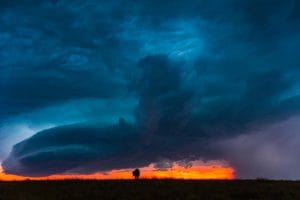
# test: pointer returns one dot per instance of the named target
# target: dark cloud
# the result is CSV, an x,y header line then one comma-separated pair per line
x,y
67,148
67,57
166,126
87,148
164,105
196,73
22,93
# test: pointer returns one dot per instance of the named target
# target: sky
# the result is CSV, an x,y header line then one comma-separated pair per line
x,y
94,87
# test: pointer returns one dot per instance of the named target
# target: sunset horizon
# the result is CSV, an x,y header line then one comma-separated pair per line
x,y
195,172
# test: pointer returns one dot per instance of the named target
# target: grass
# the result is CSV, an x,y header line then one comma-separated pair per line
x,y
149,189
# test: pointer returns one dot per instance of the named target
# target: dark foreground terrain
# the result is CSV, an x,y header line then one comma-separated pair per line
x,y
149,189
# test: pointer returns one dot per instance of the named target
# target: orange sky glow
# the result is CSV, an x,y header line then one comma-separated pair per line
x,y
196,172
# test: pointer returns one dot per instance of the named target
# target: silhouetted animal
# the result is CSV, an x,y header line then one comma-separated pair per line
x,y
136,173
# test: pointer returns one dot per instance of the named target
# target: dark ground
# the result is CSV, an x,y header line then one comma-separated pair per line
x,y
149,189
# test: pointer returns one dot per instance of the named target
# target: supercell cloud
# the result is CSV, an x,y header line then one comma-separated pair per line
x,y
89,86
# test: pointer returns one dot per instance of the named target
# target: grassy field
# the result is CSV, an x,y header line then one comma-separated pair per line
x,y
149,189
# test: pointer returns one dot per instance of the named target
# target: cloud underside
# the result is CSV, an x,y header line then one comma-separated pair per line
x,y
188,80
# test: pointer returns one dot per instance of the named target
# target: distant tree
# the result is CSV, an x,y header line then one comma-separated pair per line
x,y
136,174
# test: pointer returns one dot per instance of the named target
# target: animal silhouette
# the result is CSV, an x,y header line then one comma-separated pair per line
x,y
136,174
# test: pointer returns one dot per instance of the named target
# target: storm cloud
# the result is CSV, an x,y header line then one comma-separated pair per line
x,y
188,80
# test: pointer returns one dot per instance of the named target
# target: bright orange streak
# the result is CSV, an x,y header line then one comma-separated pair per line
x,y
175,172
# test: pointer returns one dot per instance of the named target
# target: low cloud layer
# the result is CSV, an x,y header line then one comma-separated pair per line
x,y
183,77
